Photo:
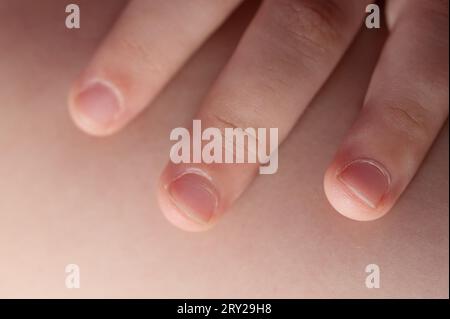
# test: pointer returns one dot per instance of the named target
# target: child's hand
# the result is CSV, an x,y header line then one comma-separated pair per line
x,y
284,58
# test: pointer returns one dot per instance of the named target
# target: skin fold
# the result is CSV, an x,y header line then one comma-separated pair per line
x,y
66,197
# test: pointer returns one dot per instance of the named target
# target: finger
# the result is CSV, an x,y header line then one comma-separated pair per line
x,y
149,43
406,105
285,56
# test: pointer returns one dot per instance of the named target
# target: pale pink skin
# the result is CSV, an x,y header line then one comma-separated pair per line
x,y
66,197
285,56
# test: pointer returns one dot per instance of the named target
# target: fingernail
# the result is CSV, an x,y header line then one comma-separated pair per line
x,y
367,180
195,196
98,103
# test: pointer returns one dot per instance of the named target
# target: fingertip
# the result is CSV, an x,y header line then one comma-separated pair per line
x,y
357,189
187,201
96,107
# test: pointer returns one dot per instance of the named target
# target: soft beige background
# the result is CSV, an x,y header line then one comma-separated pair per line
x,y
69,198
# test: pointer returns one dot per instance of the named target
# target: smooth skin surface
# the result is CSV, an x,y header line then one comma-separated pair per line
x,y
67,198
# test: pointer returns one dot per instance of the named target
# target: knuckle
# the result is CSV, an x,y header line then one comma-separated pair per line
x,y
223,121
241,130
438,14
226,112
437,7
410,119
311,25
431,15
139,52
